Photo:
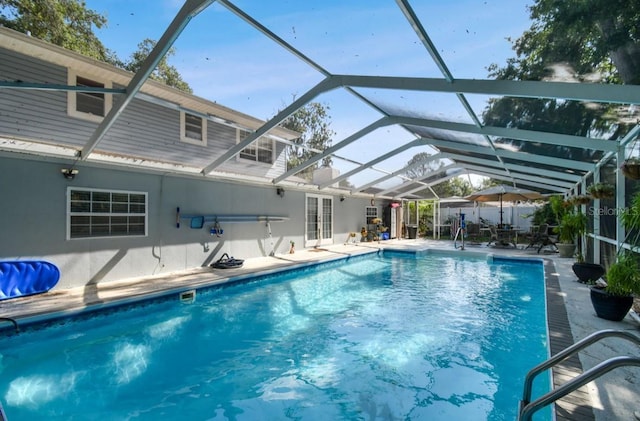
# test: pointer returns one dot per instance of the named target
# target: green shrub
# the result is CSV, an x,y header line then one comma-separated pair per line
x,y
622,276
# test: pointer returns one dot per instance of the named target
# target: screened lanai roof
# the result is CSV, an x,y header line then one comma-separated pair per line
x,y
399,78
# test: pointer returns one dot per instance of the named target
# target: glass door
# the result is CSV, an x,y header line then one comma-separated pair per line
x,y
319,223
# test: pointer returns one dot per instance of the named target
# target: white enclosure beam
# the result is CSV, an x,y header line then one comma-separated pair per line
x,y
415,23
56,87
525,135
394,174
511,133
595,92
324,86
416,142
522,182
190,9
521,156
418,180
306,164
563,184
297,53
463,161
430,184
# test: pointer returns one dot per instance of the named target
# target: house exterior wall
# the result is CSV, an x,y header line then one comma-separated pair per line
x,y
33,192
33,221
144,130
34,114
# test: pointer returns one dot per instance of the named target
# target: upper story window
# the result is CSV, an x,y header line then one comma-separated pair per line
x,y
193,129
104,213
261,150
91,106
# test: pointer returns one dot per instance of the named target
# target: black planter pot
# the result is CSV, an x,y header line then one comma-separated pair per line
x,y
587,272
610,307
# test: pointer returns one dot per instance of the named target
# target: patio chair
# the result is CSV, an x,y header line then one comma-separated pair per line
x,y
501,237
542,238
495,236
473,231
534,237
493,232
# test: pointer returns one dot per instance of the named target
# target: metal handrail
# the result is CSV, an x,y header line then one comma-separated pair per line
x,y
12,321
527,411
526,405
568,352
3,416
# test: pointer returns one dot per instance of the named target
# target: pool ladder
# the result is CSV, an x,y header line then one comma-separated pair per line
x,y
528,408
12,321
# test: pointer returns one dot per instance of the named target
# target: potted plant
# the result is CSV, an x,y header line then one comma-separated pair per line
x,y
613,300
572,225
586,272
601,190
363,233
581,200
630,168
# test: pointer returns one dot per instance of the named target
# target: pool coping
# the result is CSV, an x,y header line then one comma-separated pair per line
x,y
576,405
56,304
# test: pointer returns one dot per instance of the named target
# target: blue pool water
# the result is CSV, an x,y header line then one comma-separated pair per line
x,y
386,337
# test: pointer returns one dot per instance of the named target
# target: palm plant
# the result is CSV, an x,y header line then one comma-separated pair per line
x,y
572,226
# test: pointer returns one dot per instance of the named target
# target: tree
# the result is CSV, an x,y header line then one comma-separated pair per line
x,y
457,186
421,167
588,39
164,72
312,122
589,35
346,184
490,182
67,23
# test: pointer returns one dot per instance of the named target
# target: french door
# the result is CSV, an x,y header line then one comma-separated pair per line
x,y
319,223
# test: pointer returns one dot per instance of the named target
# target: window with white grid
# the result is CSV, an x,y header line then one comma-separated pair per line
x,y
259,151
102,213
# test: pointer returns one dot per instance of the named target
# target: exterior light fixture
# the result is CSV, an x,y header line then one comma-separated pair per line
x,y
69,173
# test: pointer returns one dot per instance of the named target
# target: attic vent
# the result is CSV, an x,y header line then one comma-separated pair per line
x,y
193,129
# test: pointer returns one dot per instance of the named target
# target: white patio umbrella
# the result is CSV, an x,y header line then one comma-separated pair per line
x,y
504,192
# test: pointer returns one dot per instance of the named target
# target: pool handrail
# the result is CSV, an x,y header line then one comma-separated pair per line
x,y
527,408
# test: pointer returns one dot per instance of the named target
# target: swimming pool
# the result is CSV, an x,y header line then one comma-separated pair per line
x,y
386,336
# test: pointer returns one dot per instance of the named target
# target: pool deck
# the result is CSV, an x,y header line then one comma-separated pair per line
x,y
614,396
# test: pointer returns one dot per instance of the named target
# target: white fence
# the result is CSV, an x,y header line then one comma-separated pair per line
x,y
518,216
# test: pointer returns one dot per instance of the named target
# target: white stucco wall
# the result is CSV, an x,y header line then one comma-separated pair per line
x,y
33,221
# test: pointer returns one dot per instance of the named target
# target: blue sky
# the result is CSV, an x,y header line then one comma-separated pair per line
x,y
226,60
